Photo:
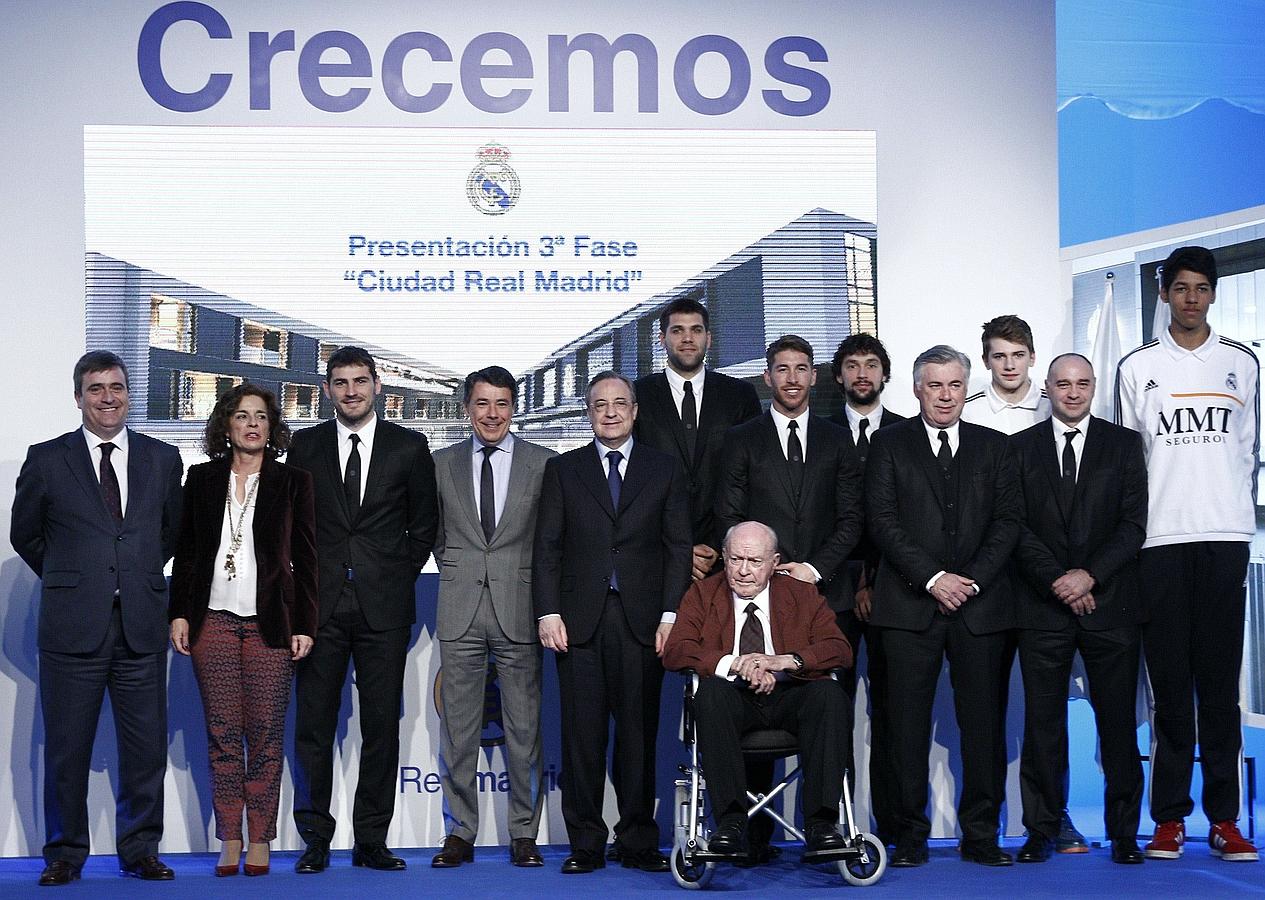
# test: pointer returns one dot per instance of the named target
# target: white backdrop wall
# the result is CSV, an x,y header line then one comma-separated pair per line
x,y
960,96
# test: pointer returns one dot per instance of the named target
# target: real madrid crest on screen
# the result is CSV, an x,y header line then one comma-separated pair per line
x,y
493,186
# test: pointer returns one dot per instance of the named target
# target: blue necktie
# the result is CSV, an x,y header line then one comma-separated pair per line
x,y
615,482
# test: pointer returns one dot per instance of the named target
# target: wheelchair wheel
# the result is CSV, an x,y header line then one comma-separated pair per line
x,y
865,871
691,876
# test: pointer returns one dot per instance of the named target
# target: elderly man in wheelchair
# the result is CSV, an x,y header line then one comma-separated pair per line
x,y
761,648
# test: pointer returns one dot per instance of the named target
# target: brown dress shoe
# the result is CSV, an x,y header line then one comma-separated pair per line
x,y
57,873
454,852
523,852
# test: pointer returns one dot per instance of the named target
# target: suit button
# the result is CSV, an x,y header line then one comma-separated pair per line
x,y
614,549
479,582
111,570
948,506
119,538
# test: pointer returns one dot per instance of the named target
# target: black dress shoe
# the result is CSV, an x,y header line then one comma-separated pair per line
x,y
1125,851
1070,840
650,860
314,859
1035,849
615,853
986,853
147,868
525,853
57,873
581,863
454,852
726,839
909,854
376,856
823,837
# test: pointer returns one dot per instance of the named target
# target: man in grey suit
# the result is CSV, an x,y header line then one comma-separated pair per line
x,y
95,516
488,492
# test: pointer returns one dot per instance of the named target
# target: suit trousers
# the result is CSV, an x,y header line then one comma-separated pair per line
x,y
882,778
914,661
465,669
1194,649
72,686
1111,664
816,712
378,657
611,676
245,687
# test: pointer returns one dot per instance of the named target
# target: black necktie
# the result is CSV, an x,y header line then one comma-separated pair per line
x,y
110,484
945,456
751,640
487,495
616,483
863,439
689,421
351,478
1069,467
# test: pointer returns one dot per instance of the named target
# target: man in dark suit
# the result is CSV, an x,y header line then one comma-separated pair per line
x,y
1085,498
376,516
95,516
944,508
489,488
764,647
862,368
610,563
686,409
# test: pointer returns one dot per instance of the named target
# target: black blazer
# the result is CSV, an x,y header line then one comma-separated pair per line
x,y
581,539
903,496
726,402
284,531
865,551
823,525
392,536
1101,533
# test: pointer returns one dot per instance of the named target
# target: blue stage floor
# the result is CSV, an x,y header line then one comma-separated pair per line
x,y
1197,874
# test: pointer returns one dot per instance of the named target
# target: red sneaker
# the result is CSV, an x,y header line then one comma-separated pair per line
x,y
1168,840
1227,843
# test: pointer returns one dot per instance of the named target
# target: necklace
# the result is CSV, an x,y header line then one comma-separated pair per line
x,y
235,535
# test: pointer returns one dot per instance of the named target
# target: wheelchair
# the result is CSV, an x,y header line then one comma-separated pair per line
x,y
862,861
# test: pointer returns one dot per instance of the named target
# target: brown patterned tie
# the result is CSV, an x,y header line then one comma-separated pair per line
x,y
110,490
752,638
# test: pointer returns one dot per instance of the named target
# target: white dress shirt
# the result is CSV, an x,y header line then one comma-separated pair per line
x,y
782,424
118,460
676,383
761,600
933,436
1078,442
366,433
874,417
502,460
237,596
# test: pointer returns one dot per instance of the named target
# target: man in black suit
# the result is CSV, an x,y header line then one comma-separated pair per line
x,y
609,565
944,508
686,409
376,518
1085,498
95,516
862,368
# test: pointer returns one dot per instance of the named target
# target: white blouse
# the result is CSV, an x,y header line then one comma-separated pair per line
x,y
236,596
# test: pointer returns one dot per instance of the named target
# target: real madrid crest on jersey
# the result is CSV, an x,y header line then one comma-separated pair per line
x,y
1232,382
493,186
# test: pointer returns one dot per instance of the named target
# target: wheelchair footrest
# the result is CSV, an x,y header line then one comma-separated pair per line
x,y
820,857
706,856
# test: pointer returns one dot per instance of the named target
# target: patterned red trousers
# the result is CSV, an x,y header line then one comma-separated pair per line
x,y
245,686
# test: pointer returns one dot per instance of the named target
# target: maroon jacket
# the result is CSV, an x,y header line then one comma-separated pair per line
x,y
285,549
801,623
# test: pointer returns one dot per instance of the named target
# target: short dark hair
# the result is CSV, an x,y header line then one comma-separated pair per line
x,y
787,342
493,375
350,356
607,375
683,306
215,438
97,361
1007,328
1192,259
861,344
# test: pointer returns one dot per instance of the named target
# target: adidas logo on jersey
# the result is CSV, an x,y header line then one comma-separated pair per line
x,y
1150,385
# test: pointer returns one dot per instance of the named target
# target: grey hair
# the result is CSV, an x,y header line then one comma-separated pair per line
x,y
769,534
941,355
607,375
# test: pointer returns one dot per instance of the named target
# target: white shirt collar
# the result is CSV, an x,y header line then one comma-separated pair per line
x,y
365,432
875,418
625,449
506,444
1061,428
676,380
782,420
119,440
761,600
1029,400
933,435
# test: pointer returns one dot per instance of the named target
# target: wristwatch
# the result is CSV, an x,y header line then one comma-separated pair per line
x,y
799,662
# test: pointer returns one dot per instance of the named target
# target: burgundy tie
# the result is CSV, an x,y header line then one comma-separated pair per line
x,y
110,491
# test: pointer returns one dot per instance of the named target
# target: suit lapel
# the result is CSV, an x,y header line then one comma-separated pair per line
x,y
709,413
370,490
593,477
329,450
818,455
1052,467
636,476
778,612
1091,454
462,468
80,462
519,463
661,395
266,495
930,465
773,454
138,468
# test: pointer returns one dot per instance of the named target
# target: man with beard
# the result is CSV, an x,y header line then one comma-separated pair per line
x,y
862,368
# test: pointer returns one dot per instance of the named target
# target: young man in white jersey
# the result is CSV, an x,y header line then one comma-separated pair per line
x,y
1195,398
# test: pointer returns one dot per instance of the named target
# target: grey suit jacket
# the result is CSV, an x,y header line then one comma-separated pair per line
x,y
467,562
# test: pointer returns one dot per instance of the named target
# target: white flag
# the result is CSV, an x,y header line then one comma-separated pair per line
x,y
1106,355
1160,320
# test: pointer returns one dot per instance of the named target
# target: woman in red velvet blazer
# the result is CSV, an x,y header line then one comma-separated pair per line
x,y
244,605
